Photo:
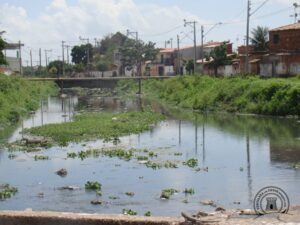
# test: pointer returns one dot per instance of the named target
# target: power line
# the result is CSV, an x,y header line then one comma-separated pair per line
x,y
259,7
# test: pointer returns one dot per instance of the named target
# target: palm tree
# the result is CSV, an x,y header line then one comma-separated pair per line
x,y
260,38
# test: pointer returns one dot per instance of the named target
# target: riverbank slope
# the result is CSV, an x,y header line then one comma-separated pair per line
x,y
19,96
277,97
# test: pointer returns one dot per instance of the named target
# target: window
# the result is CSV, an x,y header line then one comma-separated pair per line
x,y
275,38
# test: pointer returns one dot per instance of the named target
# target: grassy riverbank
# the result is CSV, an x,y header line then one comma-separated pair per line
x,y
279,97
107,126
19,96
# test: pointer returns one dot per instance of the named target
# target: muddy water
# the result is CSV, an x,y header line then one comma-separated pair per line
x,y
243,154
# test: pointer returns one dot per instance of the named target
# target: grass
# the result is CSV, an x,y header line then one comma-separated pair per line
x,y
105,126
19,96
279,97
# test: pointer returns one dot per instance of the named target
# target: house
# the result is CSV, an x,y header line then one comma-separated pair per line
x,y
163,65
170,61
204,63
283,58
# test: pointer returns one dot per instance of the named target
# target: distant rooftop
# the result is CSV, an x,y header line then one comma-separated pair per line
x,y
295,26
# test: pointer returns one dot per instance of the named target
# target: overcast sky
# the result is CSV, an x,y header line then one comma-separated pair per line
x,y
44,24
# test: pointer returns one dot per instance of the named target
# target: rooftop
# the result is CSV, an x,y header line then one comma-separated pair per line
x,y
295,26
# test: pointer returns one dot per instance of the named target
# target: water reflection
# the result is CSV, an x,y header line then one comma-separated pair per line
x,y
242,153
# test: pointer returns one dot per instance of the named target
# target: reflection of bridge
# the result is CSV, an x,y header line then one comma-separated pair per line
x,y
94,82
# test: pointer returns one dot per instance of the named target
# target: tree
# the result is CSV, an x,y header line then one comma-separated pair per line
x,y
102,66
219,56
112,41
2,46
57,66
260,38
189,66
80,53
135,52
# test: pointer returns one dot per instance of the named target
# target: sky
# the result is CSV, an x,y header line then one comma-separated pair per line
x,y
44,24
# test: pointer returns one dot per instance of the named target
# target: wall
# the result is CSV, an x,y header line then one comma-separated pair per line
x,y
288,41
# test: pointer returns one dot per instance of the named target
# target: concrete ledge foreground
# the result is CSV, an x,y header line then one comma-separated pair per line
x,y
29,217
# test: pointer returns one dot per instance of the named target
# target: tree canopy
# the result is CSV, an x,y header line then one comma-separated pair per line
x,y
2,46
219,56
260,38
80,53
135,52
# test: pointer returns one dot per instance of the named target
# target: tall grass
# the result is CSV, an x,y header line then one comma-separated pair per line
x,y
19,96
279,97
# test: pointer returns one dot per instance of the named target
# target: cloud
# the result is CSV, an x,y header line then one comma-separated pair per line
x,y
89,18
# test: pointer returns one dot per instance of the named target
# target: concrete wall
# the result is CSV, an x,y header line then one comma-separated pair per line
x,y
13,64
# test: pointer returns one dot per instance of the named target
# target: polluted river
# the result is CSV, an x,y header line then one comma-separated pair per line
x,y
236,156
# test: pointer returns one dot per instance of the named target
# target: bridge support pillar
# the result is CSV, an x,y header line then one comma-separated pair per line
x,y
140,86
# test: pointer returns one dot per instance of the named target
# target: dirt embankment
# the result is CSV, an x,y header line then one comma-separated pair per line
x,y
228,217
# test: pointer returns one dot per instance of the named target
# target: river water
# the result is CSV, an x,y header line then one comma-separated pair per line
x,y
242,153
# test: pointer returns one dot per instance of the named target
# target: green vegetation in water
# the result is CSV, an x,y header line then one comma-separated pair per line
x,y
167,193
153,165
93,185
19,96
40,157
296,166
148,213
142,158
105,126
191,163
178,154
129,212
152,154
7,191
113,197
190,191
279,97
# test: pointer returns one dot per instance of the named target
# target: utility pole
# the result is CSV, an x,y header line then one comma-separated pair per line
x,y
247,37
31,62
20,55
63,57
296,5
202,48
133,33
40,56
139,63
46,56
178,56
68,46
193,24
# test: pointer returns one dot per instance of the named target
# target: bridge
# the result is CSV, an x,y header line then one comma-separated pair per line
x,y
95,82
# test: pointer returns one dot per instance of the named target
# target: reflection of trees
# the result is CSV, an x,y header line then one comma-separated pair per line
x,y
282,133
259,127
